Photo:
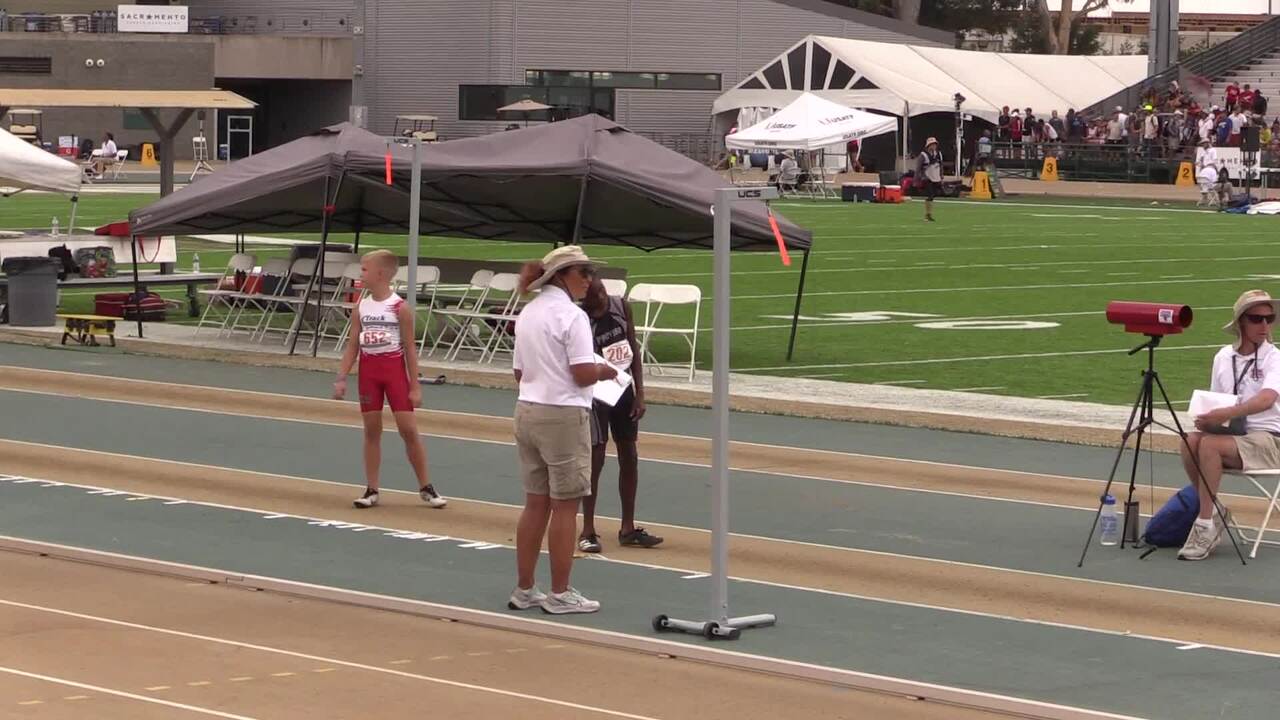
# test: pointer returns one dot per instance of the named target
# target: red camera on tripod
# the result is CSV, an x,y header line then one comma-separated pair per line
x,y
1143,318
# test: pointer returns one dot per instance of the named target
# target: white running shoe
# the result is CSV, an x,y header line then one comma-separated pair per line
x,y
431,497
525,599
569,601
1201,542
368,500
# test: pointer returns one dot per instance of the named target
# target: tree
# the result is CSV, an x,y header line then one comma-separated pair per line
x,y
908,10
1058,28
1029,36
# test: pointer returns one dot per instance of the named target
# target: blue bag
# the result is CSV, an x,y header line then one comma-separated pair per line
x,y
1172,524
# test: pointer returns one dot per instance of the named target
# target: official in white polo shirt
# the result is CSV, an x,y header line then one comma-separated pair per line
x,y
1245,435
554,362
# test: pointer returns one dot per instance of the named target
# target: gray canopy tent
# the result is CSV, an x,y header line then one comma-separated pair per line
x,y
585,180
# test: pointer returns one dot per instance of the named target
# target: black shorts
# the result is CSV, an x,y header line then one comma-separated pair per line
x,y
616,419
932,189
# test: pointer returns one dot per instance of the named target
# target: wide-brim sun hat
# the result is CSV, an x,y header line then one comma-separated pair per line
x,y
931,141
1247,299
559,259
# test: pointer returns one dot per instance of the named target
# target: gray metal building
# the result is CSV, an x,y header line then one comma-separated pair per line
x,y
653,65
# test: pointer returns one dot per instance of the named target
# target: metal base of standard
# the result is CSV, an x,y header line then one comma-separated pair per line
x,y
730,629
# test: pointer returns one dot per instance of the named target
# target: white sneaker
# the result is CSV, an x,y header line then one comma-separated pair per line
x,y
1201,542
431,497
569,601
525,599
368,500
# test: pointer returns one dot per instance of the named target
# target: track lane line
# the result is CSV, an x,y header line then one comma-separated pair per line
x,y
123,694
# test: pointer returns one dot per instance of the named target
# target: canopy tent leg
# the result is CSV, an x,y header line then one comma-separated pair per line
x,y
906,134
577,217
795,315
137,284
71,222
317,269
168,136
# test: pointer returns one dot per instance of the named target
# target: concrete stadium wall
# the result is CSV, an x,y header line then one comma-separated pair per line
x,y
130,63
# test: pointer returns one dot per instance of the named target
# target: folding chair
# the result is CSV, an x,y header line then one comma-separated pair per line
x,y
325,290
273,274
118,165
615,288
456,317
1257,477
285,294
656,298
221,296
481,327
502,320
340,305
428,279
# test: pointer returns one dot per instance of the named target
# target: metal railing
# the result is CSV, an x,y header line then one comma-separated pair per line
x,y
1126,162
1239,50
706,148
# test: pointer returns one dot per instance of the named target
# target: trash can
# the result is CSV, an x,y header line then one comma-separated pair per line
x,y
33,290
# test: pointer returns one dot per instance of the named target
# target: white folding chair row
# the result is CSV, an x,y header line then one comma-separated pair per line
x,y
1257,477
341,306
501,320
483,327
324,291
457,317
428,280
274,274
656,298
221,296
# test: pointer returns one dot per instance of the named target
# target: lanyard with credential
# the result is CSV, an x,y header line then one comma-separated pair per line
x,y
1235,388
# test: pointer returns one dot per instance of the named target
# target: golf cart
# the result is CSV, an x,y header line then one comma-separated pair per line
x,y
422,127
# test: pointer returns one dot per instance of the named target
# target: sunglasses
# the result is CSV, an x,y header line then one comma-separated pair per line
x,y
1255,319
588,272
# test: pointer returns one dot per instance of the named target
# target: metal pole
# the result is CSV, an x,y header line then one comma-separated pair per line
x,y
720,409
137,285
415,204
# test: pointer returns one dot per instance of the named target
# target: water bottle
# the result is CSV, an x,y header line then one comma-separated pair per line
x,y
1110,521
195,263
53,227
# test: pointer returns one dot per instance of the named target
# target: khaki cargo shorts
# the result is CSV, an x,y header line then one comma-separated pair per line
x,y
554,443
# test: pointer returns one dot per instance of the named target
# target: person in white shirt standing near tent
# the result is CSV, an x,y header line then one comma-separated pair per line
x,y
929,174
554,362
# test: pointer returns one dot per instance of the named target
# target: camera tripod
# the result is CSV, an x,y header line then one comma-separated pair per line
x,y
1141,419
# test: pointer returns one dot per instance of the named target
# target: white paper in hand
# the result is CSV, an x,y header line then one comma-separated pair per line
x,y
1203,401
610,391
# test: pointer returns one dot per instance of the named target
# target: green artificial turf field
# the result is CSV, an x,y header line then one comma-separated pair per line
x,y
1024,282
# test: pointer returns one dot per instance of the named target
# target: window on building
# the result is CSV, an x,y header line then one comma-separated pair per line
x,y
481,102
625,80
26,65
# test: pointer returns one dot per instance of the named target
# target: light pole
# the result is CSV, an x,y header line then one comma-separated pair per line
x,y
959,100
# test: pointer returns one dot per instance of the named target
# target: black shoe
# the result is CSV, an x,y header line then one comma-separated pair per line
x,y
431,497
589,543
639,538
368,500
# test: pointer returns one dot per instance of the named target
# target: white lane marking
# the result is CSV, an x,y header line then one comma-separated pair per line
x,y
123,694
1061,397
287,653
968,358
988,288
695,574
978,389
901,382
1190,646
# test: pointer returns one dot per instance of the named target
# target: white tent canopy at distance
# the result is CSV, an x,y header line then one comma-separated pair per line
x,y
809,123
24,166
910,80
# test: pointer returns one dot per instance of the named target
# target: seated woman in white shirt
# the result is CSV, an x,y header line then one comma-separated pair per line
x,y
1249,368
106,155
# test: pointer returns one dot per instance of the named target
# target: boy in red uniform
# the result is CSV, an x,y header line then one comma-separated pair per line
x,y
382,334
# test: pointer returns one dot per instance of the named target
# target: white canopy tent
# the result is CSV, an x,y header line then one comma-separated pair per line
x,y
911,80
24,166
811,123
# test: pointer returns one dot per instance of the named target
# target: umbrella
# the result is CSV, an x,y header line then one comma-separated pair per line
x,y
525,106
